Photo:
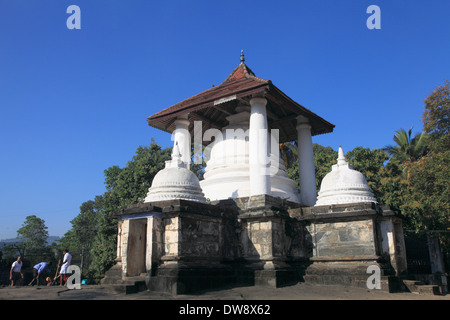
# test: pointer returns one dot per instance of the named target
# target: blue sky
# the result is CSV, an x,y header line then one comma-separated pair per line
x,y
75,102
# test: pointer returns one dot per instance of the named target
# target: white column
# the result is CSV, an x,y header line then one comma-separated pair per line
x,y
259,148
182,136
387,240
124,245
119,240
307,174
149,245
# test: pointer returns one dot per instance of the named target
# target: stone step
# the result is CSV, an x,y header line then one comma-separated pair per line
x,y
120,288
411,285
431,289
419,287
128,285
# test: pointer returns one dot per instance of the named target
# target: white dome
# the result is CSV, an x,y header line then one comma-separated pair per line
x,y
227,172
344,185
175,181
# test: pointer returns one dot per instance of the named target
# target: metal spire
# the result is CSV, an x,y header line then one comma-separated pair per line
x,y
242,56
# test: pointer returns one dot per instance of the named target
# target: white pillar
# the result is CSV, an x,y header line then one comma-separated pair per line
x,y
307,174
119,240
182,136
259,148
387,240
124,245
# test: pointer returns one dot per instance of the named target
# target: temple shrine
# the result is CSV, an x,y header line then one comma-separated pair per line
x,y
246,223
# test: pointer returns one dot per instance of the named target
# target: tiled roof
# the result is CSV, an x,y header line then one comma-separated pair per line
x,y
213,105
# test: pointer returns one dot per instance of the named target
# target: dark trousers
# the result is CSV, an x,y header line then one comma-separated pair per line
x,y
41,276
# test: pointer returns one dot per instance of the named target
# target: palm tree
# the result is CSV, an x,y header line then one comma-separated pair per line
x,y
407,148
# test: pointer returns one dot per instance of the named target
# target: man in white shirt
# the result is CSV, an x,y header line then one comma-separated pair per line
x,y
15,274
65,265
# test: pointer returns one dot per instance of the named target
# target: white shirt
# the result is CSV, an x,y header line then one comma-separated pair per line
x,y
67,258
17,266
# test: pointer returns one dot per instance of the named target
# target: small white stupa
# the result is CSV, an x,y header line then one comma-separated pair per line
x,y
344,185
175,181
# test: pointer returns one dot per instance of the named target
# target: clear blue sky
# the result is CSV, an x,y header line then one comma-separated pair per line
x,y
75,102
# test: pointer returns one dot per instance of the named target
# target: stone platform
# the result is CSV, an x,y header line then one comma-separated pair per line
x,y
184,246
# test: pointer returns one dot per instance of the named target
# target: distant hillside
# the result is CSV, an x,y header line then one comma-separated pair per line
x,y
5,242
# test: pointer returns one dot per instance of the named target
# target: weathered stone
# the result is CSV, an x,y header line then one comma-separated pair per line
x,y
193,245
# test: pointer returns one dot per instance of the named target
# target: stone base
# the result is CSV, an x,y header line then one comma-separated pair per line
x,y
184,246
350,273
276,278
115,282
181,278
113,275
188,279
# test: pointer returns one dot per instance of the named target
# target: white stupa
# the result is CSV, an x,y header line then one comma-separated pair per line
x,y
344,185
227,173
175,181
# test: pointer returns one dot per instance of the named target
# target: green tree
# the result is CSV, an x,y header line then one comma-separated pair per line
x,y
85,227
289,156
407,148
392,185
288,153
429,192
103,251
428,179
370,163
131,183
435,118
78,240
324,158
124,186
34,236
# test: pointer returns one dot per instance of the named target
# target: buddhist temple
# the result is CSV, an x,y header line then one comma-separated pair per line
x,y
246,223
246,102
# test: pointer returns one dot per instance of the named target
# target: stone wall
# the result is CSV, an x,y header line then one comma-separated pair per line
x,y
350,239
260,240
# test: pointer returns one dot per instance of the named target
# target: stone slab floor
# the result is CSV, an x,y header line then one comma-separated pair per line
x,y
301,291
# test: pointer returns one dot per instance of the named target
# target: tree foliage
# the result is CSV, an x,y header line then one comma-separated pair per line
x,y
428,179
407,148
124,186
429,192
34,235
324,158
435,118
370,163
32,245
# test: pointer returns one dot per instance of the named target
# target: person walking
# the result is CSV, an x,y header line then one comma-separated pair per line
x,y
65,265
15,274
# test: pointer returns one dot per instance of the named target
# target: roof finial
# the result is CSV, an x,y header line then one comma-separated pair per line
x,y
242,56
341,157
